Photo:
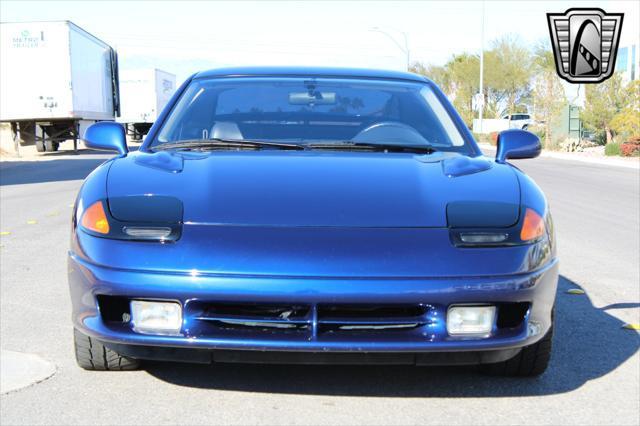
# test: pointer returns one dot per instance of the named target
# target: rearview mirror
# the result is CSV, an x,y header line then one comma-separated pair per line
x,y
517,144
106,136
316,98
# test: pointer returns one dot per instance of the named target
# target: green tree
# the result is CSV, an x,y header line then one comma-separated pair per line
x,y
463,72
507,76
458,78
548,94
438,74
602,102
627,121
508,72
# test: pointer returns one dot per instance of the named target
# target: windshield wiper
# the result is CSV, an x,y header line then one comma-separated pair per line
x,y
215,143
350,145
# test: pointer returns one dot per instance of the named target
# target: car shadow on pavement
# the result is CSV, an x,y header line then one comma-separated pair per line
x,y
588,343
60,169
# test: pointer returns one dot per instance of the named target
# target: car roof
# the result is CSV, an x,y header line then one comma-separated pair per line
x,y
311,72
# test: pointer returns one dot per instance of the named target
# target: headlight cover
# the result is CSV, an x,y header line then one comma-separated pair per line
x,y
136,218
529,229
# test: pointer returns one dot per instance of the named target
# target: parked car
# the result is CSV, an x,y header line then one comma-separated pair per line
x,y
518,121
589,138
312,215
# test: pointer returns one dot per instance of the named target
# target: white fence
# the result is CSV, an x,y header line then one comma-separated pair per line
x,y
490,125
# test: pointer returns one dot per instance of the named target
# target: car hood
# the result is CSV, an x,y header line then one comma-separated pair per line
x,y
314,188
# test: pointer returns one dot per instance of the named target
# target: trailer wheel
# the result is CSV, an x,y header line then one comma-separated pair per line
x,y
51,146
40,146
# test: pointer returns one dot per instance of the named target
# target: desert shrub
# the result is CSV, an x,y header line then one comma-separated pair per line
x,y
631,148
600,137
493,139
612,149
481,138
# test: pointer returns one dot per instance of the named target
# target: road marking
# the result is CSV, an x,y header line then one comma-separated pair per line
x,y
32,222
54,213
575,291
5,233
631,326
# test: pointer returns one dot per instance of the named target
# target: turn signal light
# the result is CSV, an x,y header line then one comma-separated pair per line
x,y
532,227
95,219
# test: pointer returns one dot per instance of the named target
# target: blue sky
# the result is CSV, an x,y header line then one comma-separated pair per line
x,y
183,37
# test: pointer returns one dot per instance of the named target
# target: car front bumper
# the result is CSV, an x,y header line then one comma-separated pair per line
x,y
428,343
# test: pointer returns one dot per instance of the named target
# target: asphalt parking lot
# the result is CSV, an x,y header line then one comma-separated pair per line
x,y
594,377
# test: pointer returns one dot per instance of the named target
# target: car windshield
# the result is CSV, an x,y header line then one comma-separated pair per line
x,y
305,111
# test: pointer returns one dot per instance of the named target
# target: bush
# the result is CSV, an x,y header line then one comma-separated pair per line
x,y
481,137
630,149
493,140
601,137
612,148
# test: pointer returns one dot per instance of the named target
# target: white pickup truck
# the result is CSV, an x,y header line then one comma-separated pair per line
x,y
518,121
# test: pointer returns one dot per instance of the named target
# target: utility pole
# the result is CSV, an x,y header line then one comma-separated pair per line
x,y
481,93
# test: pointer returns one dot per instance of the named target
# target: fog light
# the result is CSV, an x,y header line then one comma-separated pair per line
x,y
156,317
483,238
155,233
534,328
470,320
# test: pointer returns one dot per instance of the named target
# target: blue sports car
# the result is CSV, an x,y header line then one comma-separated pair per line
x,y
312,215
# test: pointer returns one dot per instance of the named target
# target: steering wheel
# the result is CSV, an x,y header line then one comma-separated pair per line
x,y
392,132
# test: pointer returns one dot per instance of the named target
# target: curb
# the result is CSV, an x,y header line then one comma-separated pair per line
x,y
21,370
630,163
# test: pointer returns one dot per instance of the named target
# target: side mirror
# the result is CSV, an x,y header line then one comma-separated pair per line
x,y
517,144
106,136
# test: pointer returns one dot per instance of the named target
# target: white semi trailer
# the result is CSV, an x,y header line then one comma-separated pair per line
x,y
143,95
55,80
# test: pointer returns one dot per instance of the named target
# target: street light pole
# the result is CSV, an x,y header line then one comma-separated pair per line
x,y
404,49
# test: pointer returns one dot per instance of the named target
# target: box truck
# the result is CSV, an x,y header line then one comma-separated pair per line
x,y
143,95
55,80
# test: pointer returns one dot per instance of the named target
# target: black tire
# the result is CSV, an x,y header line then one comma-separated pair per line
x,y
51,146
532,360
92,355
40,147
525,127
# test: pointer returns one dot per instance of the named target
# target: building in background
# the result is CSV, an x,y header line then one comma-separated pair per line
x,y
628,63
628,59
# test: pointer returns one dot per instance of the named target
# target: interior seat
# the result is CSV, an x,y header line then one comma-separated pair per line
x,y
225,130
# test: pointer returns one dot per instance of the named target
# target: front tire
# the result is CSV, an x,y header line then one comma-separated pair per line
x,y
93,355
532,360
